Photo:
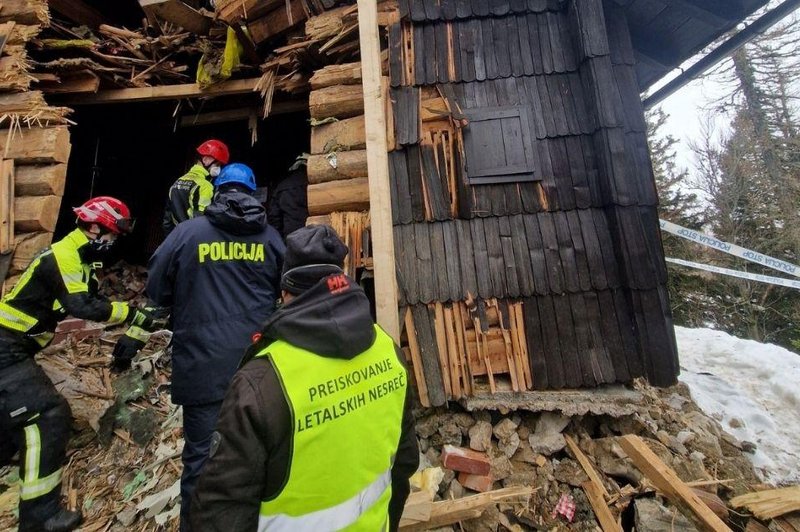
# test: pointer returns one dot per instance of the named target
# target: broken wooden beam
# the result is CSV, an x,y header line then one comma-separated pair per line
x,y
587,465
347,195
338,101
14,74
276,22
348,134
178,13
40,180
346,74
769,504
36,213
81,81
336,166
667,481
164,92
36,145
444,513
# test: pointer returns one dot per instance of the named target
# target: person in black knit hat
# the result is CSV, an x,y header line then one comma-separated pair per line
x,y
316,431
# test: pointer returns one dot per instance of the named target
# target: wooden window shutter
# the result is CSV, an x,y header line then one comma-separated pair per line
x,y
499,147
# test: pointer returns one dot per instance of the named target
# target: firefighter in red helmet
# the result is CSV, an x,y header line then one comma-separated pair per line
x,y
192,192
34,418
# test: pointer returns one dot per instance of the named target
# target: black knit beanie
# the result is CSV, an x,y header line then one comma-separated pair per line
x,y
312,253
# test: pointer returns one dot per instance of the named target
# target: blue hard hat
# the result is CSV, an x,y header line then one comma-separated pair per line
x,y
236,173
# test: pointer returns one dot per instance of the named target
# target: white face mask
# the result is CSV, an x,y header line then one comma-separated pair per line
x,y
214,170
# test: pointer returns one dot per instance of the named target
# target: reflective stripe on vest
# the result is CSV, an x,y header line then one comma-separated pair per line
x,y
335,518
346,417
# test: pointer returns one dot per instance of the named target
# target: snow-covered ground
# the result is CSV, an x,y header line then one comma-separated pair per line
x,y
753,390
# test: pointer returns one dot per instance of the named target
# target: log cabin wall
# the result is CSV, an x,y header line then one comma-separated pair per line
x,y
524,202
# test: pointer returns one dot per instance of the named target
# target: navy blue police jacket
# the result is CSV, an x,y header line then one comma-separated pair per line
x,y
220,275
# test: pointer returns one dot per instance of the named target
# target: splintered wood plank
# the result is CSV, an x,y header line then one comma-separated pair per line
x,y
416,359
769,504
665,479
520,329
601,511
407,253
451,255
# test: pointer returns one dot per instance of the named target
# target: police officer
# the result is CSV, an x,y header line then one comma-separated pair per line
x,y
191,193
34,418
220,274
315,432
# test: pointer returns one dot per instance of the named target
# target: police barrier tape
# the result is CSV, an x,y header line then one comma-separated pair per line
x,y
735,273
732,249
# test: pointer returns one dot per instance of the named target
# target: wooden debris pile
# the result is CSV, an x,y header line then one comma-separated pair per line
x,y
124,457
78,60
665,467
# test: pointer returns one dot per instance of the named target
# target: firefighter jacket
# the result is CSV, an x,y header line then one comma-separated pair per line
x,y
188,197
220,274
60,281
317,426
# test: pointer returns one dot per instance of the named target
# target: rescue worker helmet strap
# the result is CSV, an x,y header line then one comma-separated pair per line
x,y
109,213
237,173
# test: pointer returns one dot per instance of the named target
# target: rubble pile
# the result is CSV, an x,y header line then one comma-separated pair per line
x,y
564,460
647,465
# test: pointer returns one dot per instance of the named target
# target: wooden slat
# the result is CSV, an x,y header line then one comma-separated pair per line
x,y
601,511
769,504
665,479
276,22
345,74
6,205
587,466
416,359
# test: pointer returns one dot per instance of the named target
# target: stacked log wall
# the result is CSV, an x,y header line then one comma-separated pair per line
x,y
34,140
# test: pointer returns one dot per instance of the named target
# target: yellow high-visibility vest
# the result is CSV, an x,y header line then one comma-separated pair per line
x,y
346,417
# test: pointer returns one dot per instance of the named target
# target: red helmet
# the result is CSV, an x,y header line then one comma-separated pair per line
x,y
216,149
107,212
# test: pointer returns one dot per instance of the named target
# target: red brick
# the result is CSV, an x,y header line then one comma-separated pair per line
x,y
480,483
71,324
466,460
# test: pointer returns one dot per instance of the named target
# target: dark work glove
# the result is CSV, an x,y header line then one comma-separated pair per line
x,y
126,348
149,318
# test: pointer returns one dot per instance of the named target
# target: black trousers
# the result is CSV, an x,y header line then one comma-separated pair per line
x,y
35,420
199,422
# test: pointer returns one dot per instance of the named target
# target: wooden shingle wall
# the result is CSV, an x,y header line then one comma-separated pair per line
x,y
578,245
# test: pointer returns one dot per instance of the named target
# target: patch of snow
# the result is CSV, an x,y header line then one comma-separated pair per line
x,y
753,390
